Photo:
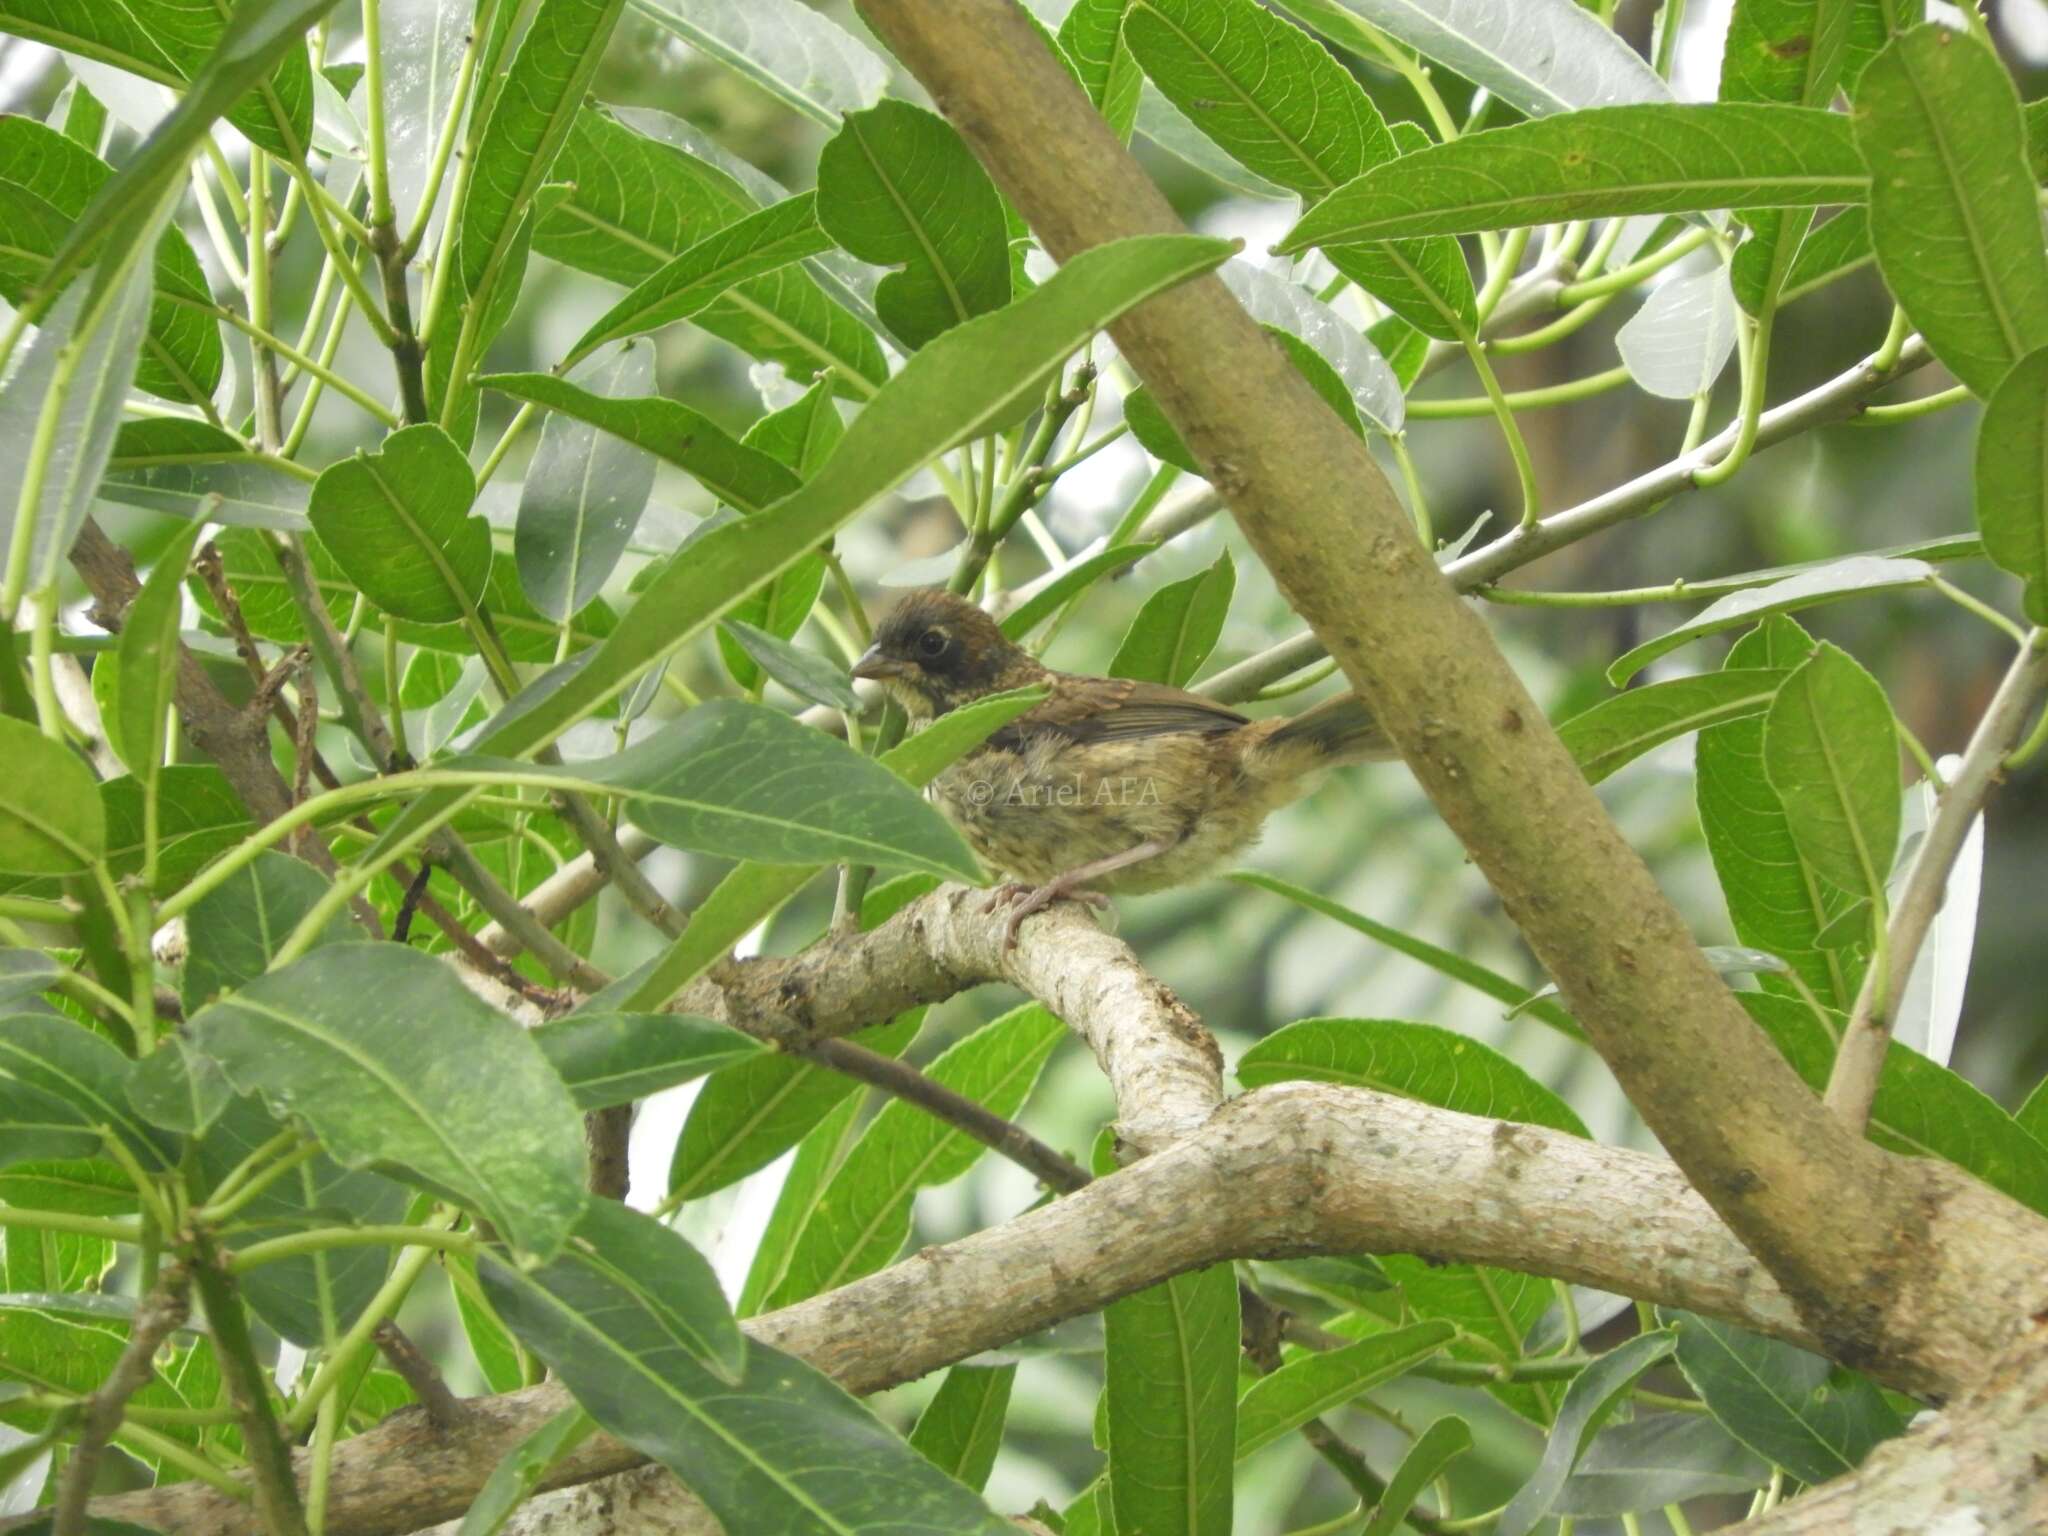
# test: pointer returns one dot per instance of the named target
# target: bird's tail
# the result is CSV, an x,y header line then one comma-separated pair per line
x,y
1341,729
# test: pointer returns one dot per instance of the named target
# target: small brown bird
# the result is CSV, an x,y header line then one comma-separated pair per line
x,y
1108,785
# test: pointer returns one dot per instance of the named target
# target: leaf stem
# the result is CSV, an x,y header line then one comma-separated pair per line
x,y
1907,410
1518,450
1754,347
321,1239
1521,399
1624,278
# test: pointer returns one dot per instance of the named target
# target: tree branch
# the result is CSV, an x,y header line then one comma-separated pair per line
x,y
1839,399
1293,1169
1838,1221
160,1313
1853,1083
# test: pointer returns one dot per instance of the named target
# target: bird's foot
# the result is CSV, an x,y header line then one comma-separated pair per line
x,y
1023,900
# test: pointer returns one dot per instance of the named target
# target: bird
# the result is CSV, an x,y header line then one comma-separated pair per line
x,y
1108,784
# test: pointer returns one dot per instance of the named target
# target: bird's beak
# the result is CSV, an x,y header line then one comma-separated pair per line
x,y
875,666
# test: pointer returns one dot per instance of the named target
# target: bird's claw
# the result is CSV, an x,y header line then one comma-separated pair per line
x,y
1024,900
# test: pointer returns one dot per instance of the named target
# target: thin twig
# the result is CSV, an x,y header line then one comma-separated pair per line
x,y
904,1081
1839,398
607,1134
1860,1060
504,909
160,1313
444,1408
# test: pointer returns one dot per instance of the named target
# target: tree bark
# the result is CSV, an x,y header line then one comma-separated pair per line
x,y
1841,1224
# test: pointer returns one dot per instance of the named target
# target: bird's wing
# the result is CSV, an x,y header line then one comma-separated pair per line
x,y
1090,709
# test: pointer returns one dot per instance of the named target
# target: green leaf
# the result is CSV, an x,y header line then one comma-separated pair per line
x,y
1265,91
1665,1458
51,822
36,1126
615,1058
1069,584
1314,1383
760,243
1434,1449
1952,211
777,1447
176,1089
529,118
1588,1403
46,182
863,1217
1538,56
1621,729
169,43
254,40
1520,998
69,1345
1831,750
1829,251
747,782
309,1297
1856,576
669,430
801,436
801,58
25,974
961,1428
813,1162
383,1053
1279,104
640,196
804,673
1418,1061
2032,1116
1177,628
1775,899
977,376
2012,484
637,1289
1815,1419
899,188
518,1476
63,404
584,492
73,1067
148,661
1092,39
1785,50
1171,1362
747,1116
196,471
1601,163
398,524
199,817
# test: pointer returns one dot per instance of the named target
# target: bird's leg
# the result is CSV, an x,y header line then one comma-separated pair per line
x,y
1067,886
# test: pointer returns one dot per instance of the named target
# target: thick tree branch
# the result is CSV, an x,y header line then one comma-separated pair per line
x,y
1293,1169
1839,1222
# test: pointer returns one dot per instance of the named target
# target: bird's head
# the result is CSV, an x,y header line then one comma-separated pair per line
x,y
936,652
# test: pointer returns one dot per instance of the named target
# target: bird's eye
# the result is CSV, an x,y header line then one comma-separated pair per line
x,y
932,643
